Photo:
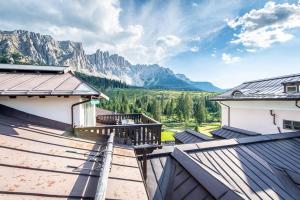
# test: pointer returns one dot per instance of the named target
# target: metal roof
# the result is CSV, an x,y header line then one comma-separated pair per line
x,y
190,136
167,179
263,89
38,162
34,68
257,167
43,84
227,132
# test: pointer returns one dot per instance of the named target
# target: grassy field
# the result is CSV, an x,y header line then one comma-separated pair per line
x,y
205,128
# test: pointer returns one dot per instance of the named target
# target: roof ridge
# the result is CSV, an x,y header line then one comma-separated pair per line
x,y
237,141
239,130
198,134
272,78
205,176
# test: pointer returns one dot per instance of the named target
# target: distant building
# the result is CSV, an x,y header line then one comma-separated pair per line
x,y
264,106
53,93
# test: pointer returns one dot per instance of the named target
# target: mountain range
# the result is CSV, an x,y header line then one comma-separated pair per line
x,y
34,48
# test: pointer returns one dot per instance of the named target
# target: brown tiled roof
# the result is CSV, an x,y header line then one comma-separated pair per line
x,y
30,83
38,162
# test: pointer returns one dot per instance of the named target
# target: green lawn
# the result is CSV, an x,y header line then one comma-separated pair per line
x,y
206,128
167,135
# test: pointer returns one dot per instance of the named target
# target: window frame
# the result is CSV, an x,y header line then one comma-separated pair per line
x,y
290,125
292,86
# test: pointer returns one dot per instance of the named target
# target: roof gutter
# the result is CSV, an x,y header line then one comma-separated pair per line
x,y
228,113
103,180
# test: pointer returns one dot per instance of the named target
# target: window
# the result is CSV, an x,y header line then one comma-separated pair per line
x,y
291,88
236,93
292,125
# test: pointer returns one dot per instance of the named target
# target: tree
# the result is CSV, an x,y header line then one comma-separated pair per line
x,y
199,110
179,107
157,110
187,107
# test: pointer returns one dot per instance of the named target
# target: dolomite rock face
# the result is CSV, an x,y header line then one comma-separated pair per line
x,y
34,48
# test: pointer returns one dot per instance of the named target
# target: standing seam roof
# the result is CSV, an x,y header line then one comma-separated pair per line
x,y
20,83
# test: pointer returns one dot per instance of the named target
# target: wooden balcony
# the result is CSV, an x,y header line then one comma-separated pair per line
x,y
134,129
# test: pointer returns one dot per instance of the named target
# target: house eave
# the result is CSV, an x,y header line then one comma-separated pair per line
x,y
256,99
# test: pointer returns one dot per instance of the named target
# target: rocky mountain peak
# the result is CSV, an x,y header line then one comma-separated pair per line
x,y
34,48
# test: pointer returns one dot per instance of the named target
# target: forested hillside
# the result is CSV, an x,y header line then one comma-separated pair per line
x,y
164,105
101,83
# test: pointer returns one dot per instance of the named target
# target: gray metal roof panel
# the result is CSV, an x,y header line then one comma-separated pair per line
x,y
262,89
232,132
168,179
256,167
190,136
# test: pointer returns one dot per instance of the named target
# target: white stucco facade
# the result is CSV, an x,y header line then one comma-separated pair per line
x,y
255,115
52,107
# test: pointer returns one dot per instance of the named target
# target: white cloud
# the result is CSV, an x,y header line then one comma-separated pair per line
x,y
196,39
168,41
194,49
149,32
263,27
194,4
229,59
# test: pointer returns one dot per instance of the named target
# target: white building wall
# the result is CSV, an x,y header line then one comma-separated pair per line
x,y
255,115
52,107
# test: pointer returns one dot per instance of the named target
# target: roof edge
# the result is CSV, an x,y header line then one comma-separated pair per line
x,y
272,78
237,141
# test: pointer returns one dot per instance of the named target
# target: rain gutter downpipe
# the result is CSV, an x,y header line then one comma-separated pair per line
x,y
72,110
228,113
274,120
296,103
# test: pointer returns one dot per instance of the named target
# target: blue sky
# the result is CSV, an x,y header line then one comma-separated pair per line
x,y
222,41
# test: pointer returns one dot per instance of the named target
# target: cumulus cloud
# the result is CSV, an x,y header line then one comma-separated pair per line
x,y
229,59
147,32
260,28
168,41
194,49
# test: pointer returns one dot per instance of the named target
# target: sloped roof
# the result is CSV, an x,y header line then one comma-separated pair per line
x,y
167,179
190,136
34,68
227,132
257,167
263,89
39,162
50,82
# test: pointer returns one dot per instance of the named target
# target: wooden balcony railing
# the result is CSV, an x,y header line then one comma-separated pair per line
x,y
117,119
144,130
